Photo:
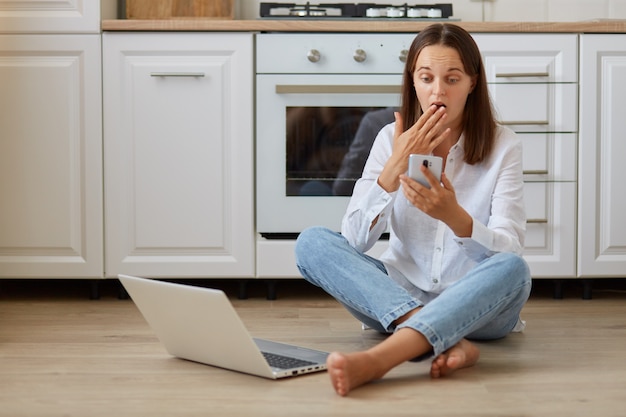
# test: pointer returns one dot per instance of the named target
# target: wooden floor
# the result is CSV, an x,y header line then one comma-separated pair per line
x,y
62,354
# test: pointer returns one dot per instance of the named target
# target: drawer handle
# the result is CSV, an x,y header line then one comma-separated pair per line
x,y
338,89
524,122
536,172
177,74
522,75
537,221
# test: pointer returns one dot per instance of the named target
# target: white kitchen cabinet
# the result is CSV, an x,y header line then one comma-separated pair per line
x,y
50,156
602,167
533,81
178,154
50,16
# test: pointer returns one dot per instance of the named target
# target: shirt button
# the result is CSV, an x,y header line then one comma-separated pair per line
x,y
435,280
460,243
438,249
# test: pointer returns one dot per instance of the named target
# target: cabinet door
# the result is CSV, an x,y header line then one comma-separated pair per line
x,y
50,156
45,16
602,171
178,154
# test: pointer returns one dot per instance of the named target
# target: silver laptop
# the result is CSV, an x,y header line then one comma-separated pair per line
x,y
201,325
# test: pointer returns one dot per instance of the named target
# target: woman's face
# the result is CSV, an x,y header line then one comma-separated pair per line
x,y
440,79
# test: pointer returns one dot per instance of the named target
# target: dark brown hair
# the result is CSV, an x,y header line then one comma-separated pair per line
x,y
479,124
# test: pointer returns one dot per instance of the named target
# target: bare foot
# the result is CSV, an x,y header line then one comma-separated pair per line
x,y
462,355
348,371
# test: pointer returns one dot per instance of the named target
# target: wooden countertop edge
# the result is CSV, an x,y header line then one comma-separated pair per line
x,y
288,25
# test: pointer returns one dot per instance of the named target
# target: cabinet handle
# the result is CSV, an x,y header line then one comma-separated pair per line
x,y
337,89
177,74
536,172
524,122
536,220
522,75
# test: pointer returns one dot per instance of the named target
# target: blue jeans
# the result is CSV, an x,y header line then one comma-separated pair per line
x,y
484,304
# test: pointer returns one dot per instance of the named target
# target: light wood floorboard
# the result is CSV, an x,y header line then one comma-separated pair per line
x,y
62,354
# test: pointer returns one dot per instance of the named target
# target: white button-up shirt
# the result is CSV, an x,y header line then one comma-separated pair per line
x,y
424,255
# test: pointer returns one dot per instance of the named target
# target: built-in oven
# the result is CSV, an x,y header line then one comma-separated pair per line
x,y
320,99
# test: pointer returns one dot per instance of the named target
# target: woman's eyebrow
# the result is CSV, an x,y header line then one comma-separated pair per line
x,y
448,70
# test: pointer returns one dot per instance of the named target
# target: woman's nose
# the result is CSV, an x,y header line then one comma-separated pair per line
x,y
439,88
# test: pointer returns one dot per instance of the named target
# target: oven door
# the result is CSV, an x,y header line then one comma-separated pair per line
x,y
305,159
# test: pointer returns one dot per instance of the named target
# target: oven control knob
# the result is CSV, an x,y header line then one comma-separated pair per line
x,y
313,55
359,55
403,55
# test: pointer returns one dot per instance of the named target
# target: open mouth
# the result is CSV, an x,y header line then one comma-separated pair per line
x,y
439,105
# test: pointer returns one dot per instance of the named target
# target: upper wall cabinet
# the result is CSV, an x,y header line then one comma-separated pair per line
x,y
50,16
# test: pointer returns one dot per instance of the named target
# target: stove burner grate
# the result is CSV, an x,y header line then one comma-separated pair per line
x,y
355,10
300,11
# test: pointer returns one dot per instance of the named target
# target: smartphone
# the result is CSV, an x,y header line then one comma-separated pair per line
x,y
433,163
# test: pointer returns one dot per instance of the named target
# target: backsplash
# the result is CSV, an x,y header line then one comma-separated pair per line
x,y
495,10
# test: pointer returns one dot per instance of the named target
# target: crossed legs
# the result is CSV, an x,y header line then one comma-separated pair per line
x,y
485,304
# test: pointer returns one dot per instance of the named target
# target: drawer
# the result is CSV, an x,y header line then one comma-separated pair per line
x,y
536,107
550,245
549,156
537,199
527,58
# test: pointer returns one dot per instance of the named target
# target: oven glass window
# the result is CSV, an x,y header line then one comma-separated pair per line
x,y
327,147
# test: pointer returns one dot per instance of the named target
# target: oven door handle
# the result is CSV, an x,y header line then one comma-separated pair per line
x,y
337,89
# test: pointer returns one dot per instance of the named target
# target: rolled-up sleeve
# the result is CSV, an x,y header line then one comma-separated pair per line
x,y
357,223
504,226
369,200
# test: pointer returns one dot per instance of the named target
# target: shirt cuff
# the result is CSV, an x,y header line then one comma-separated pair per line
x,y
378,202
477,247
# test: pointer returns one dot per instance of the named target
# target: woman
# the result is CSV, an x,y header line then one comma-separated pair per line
x,y
453,271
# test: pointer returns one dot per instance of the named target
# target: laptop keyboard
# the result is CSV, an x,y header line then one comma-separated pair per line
x,y
285,362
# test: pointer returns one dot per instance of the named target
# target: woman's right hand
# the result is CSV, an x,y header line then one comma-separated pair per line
x,y
421,138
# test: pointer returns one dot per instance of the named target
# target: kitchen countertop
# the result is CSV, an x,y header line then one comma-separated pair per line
x,y
360,25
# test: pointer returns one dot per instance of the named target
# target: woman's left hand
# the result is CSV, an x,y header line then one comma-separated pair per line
x,y
438,201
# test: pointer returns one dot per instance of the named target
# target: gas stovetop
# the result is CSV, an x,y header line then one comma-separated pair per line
x,y
342,11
